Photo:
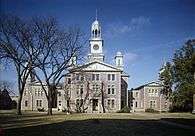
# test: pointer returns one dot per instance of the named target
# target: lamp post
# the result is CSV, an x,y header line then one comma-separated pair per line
x,y
160,103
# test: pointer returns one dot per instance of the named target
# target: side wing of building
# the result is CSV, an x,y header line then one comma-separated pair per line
x,y
149,96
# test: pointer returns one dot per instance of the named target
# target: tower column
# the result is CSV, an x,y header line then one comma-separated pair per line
x,y
96,43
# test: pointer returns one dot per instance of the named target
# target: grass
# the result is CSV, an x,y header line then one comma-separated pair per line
x,y
119,124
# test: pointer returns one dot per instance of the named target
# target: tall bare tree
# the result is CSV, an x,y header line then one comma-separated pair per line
x,y
15,46
57,48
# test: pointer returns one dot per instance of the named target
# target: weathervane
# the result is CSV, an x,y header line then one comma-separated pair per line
x,y
96,15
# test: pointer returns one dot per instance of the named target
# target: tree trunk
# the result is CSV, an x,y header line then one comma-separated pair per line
x,y
49,111
20,95
102,93
19,105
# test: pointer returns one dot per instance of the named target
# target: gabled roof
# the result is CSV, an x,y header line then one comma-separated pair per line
x,y
96,66
151,84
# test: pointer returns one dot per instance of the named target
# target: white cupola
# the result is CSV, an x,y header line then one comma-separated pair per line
x,y
96,42
119,60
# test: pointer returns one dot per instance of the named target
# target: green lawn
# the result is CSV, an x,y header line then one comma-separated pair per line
x,y
115,124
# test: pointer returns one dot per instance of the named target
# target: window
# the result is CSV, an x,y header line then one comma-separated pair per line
x,y
81,89
60,103
69,81
97,77
156,92
39,103
112,103
59,93
36,92
152,104
79,102
149,91
113,89
113,77
109,77
96,88
77,76
26,103
41,93
136,104
82,78
93,87
153,92
108,103
77,89
95,32
109,89
93,77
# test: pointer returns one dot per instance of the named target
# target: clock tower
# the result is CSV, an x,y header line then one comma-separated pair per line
x,y
96,43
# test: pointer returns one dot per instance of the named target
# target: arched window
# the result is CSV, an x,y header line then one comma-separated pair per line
x,y
93,33
96,32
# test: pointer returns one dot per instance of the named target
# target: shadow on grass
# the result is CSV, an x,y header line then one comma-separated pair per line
x,y
182,121
104,127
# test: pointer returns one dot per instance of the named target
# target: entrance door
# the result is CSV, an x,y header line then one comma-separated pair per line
x,y
95,104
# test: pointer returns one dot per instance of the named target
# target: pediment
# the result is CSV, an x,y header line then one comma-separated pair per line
x,y
97,66
153,84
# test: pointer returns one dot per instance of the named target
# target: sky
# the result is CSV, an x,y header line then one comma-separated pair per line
x,y
147,32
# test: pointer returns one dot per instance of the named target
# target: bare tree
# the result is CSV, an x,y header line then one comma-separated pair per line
x,y
98,90
103,96
15,46
57,48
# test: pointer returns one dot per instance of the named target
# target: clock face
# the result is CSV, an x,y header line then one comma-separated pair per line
x,y
95,47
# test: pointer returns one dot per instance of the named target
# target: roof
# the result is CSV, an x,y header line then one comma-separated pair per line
x,y
124,74
151,84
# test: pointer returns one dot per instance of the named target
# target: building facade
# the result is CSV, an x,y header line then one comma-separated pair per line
x,y
93,87
149,96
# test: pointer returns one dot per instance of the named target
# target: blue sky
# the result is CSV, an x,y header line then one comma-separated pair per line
x,y
145,31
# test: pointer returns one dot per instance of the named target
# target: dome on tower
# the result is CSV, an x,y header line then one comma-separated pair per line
x,y
118,53
95,25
